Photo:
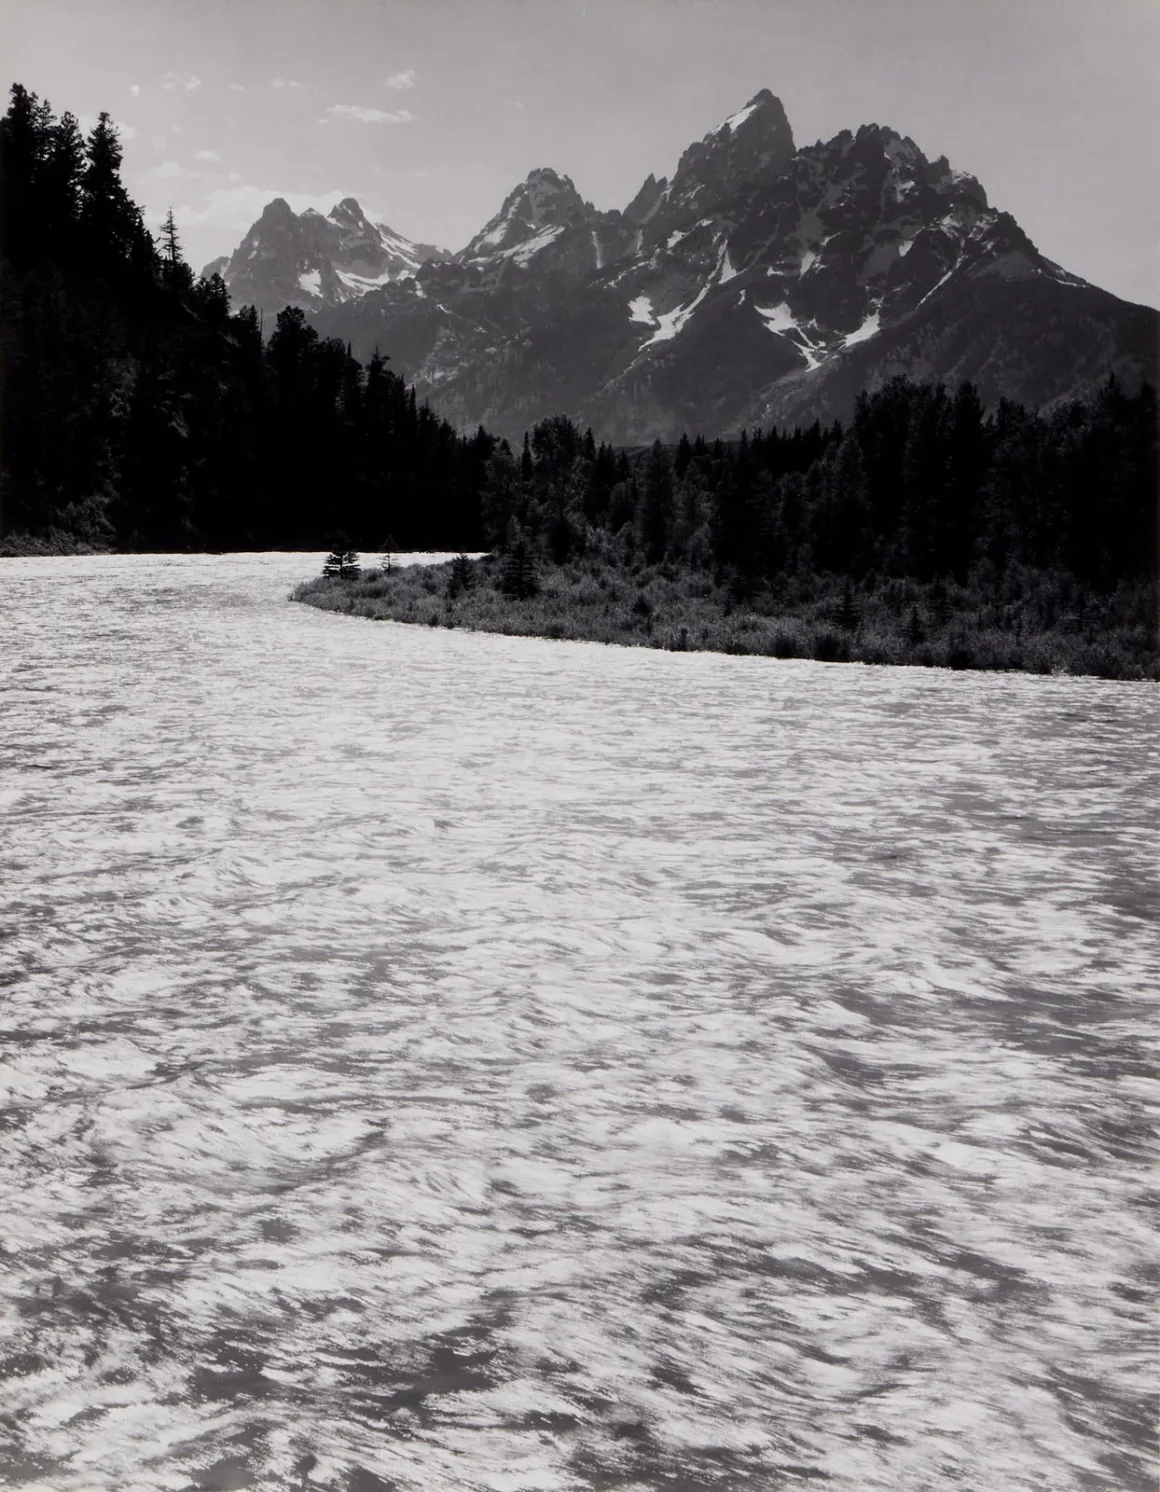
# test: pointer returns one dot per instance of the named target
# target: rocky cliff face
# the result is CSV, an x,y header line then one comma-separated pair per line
x,y
763,283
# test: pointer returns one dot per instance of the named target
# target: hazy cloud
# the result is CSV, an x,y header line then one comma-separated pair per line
x,y
171,82
513,103
231,210
285,83
135,89
207,155
371,116
169,171
238,87
402,80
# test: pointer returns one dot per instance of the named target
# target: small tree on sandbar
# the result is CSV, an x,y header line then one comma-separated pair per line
x,y
342,561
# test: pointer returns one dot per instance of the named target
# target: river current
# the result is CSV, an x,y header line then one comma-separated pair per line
x,y
447,1061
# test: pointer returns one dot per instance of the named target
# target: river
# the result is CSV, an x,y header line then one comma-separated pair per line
x,y
448,1061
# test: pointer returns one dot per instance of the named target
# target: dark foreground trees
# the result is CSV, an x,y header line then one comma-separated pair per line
x,y
138,411
922,484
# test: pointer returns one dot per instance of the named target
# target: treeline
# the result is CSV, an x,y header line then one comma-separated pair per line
x,y
138,411
921,484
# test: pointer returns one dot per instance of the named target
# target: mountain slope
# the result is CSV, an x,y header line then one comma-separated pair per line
x,y
764,282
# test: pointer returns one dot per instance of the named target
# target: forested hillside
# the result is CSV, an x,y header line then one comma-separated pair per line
x,y
140,412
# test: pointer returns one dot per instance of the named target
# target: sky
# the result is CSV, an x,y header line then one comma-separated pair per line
x,y
430,112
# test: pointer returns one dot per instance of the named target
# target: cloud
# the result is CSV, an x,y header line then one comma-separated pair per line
x,y
238,87
285,83
175,171
371,116
127,131
231,210
171,82
513,103
135,89
401,81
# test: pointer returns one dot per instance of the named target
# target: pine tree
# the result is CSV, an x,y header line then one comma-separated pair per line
x,y
170,250
342,563
462,577
108,216
518,576
656,510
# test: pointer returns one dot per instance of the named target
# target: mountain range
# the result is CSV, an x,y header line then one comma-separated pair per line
x,y
765,283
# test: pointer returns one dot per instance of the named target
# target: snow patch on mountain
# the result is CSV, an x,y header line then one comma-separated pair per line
x,y
669,323
360,284
641,309
495,235
527,250
940,283
725,270
780,320
311,281
868,329
735,121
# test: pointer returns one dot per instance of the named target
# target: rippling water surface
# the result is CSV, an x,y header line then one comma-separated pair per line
x,y
436,1061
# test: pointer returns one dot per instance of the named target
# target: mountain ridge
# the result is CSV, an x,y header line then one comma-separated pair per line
x,y
763,281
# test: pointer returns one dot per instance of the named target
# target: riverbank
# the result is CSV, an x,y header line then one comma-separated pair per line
x,y
54,542
1033,622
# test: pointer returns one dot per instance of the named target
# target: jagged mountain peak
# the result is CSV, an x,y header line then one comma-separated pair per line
x,y
755,143
348,213
313,259
544,200
279,210
764,113
647,200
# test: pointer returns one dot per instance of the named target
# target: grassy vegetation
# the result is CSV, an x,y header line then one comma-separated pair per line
x,y
53,542
1033,621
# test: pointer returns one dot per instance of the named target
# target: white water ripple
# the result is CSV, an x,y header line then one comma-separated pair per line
x,y
437,1061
